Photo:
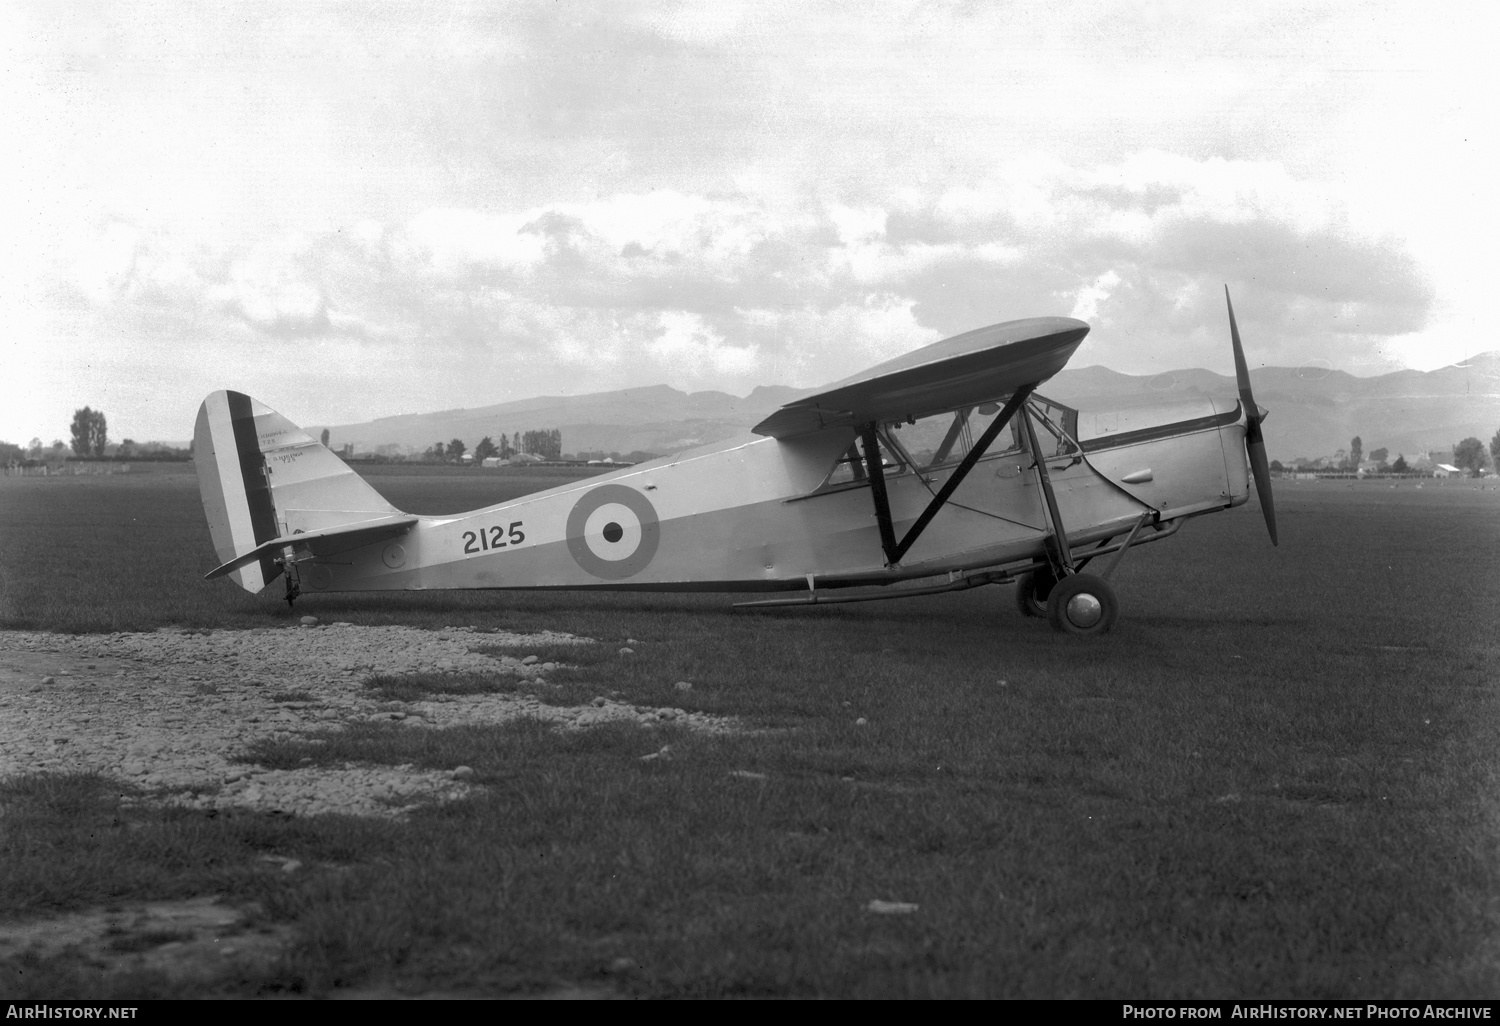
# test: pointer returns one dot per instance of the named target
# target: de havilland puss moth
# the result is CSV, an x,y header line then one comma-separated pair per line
x,y
936,471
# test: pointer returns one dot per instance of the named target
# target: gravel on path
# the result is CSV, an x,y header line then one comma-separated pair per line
x,y
167,710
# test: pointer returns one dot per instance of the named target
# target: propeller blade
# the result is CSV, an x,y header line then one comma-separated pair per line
x,y
1255,448
1255,445
1241,372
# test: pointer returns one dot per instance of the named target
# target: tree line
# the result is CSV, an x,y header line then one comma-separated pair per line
x,y
543,442
89,439
1468,455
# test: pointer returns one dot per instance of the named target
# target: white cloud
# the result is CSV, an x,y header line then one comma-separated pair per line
x,y
1087,306
453,239
483,196
662,219
735,289
857,225
711,21
105,266
824,346
270,287
686,347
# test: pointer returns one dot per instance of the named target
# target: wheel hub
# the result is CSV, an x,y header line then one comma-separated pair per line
x,y
1084,610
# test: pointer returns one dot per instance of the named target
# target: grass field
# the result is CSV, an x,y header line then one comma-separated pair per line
x,y
1276,778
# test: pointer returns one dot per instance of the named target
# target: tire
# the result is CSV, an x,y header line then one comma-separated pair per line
x,y
1083,605
1032,590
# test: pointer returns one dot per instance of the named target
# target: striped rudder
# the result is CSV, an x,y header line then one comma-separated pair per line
x,y
261,476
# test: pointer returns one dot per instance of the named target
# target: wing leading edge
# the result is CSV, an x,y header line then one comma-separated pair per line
x,y
973,367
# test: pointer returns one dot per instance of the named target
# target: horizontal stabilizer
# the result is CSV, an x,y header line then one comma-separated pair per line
x,y
322,543
977,366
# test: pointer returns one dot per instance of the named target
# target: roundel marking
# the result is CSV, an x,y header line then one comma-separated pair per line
x,y
613,532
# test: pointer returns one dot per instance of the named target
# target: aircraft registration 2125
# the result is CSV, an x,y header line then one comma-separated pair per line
x,y
940,470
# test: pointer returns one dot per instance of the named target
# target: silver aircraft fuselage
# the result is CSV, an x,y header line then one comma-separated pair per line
x,y
763,514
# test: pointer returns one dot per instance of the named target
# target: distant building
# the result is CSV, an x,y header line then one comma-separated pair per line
x,y
1431,460
1446,470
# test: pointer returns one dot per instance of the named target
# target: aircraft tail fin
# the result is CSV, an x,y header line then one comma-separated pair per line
x,y
262,477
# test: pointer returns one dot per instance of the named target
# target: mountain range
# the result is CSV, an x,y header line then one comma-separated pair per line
x,y
1313,411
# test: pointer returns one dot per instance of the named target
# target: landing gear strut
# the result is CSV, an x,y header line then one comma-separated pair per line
x,y
293,586
1074,602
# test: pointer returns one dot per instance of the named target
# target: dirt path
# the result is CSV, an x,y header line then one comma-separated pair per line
x,y
168,711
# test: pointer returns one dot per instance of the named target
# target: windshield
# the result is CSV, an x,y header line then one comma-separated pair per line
x,y
1056,426
946,438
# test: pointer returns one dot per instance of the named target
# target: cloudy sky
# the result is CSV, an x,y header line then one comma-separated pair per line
x,y
358,209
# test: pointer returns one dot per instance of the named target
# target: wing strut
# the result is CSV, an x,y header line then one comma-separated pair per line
x,y
1064,552
877,489
895,550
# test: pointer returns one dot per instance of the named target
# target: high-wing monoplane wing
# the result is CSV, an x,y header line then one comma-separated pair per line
x,y
973,367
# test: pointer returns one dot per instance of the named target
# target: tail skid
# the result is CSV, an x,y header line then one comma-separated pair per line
x,y
268,486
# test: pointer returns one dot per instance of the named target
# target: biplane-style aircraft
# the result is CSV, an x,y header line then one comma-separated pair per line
x,y
937,471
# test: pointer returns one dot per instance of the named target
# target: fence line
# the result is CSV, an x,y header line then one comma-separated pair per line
x,y
66,470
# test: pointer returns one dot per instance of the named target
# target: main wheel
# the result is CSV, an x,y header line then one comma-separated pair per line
x,y
1083,604
1032,590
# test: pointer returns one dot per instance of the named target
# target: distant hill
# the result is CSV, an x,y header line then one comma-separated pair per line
x,y
1317,412
657,418
1312,412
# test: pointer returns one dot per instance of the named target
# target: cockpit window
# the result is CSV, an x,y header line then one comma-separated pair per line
x,y
946,438
850,469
